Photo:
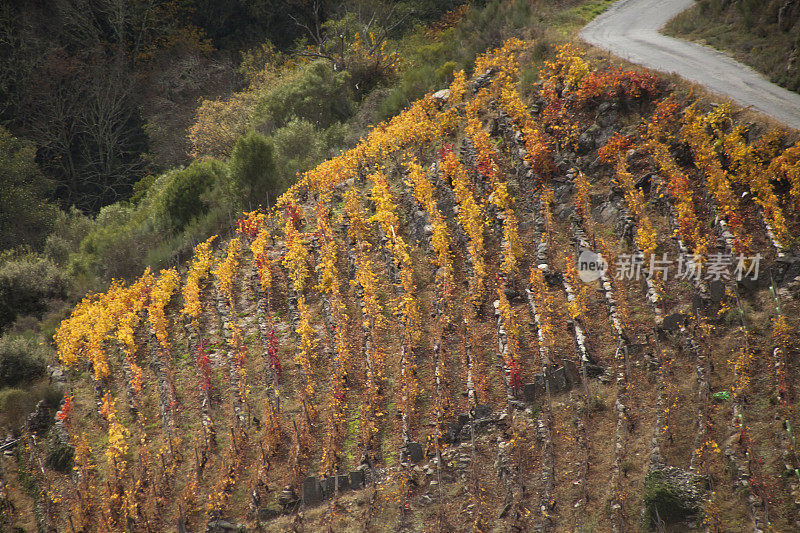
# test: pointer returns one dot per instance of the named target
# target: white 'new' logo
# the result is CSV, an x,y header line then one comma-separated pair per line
x,y
591,266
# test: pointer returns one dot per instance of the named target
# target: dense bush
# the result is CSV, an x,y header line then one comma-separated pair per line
x,y
219,123
318,95
261,167
300,146
21,360
115,245
434,58
69,229
253,171
169,214
26,285
182,197
299,141
15,404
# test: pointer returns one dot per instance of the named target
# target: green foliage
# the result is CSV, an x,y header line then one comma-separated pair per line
x,y
182,197
589,10
319,95
59,454
431,10
430,61
21,360
15,404
721,396
25,215
447,72
299,146
69,229
253,171
141,188
114,246
665,500
262,167
176,247
26,285
171,214
52,395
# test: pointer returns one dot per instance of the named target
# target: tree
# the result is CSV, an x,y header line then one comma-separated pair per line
x,y
25,214
84,116
355,41
253,170
182,198
236,24
72,74
219,123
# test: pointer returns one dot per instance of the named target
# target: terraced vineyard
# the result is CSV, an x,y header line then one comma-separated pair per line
x,y
410,316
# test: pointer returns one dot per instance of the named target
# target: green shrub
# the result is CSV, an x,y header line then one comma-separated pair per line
x,y
57,249
125,235
319,95
433,60
115,246
69,229
627,467
59,455
141,189
52,395
182,196
721,396
446,71
253,171
15,405
413,85
670,495
21,360
26,285
299,146
431,10
178,248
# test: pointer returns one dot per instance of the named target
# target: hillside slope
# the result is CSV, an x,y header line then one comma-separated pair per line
x,y
410,315
631,29
763,35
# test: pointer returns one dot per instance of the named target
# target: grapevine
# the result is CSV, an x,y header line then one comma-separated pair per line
x,y
470,216
201,264
225,270
717,180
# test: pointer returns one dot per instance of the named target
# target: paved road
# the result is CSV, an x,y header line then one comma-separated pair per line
x,y
629,29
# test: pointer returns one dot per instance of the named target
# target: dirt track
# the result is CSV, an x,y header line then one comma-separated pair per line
x,y
629,29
